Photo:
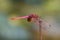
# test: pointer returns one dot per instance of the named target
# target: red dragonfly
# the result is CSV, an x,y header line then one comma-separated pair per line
x,y
36,19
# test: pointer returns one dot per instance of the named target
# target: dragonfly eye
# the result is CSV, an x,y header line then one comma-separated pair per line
x,y
29,19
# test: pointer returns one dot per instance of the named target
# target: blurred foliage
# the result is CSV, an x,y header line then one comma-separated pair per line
x,y
13,8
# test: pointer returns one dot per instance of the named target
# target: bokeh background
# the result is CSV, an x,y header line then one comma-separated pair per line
x,y
23,30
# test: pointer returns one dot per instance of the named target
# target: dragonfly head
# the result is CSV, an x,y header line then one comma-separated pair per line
x,y
29,19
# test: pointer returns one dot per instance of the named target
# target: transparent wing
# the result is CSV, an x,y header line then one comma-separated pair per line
x,y
42,22
45,25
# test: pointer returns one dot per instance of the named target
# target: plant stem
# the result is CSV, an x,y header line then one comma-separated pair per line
x,y
40,30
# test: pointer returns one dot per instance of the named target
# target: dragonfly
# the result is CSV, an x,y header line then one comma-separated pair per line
x,y
36,19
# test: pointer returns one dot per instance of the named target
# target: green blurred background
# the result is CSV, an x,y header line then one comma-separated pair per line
x,y
23,30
